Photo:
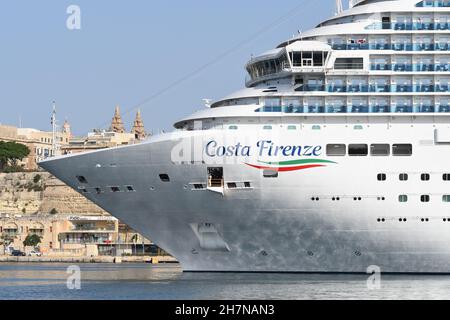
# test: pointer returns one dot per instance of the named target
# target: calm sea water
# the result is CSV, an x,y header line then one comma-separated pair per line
x,y
143,281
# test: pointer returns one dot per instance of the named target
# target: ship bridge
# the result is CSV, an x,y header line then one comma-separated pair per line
x,y
301,57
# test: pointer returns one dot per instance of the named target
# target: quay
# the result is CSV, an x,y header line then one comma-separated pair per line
x,y
97,259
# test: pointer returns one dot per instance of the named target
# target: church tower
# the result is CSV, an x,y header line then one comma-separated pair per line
x,y
138,127
117,123
66,129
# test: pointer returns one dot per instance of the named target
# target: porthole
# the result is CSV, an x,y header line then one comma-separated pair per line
x,y
82,179
164,177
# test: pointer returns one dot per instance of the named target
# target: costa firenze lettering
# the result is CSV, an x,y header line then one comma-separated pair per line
x,y
264,148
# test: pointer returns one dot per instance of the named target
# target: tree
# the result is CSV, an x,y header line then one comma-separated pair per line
x,y
134,239
32,240
11,152
6,240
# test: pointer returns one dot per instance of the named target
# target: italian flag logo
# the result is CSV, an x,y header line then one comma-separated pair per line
x,y
292,165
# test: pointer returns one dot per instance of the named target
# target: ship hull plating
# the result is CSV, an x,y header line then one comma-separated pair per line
x,y
336,217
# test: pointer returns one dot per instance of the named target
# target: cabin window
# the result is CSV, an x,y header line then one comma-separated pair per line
x,y
336,150
199,186
425,177
358,150
403,198
98,190
130,188
267,128
446,198
233,127
115,189
164,177
402,149
83,190
232,185
425,198
403,177
292,128
381,177
380,150
446,177
270,173
247,185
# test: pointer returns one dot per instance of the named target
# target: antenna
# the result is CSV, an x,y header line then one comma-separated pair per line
x,y
339,7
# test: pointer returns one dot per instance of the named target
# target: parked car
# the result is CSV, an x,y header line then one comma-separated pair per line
x,y
34,253
18,253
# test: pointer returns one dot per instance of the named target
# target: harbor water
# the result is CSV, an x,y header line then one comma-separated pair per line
x,y
168,282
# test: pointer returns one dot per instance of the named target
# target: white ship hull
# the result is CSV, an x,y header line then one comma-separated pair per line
x,y
273,225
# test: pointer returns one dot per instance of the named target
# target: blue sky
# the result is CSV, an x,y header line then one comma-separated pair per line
x,y
127,51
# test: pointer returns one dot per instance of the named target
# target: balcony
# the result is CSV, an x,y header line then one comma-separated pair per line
x,y
341,109
435,3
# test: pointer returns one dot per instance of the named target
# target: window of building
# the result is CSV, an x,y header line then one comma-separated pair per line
x,y
446,177
164,177
381,177
403,198
358,150
402,149
425,177
380,150
336,150
425,198
446,198
82,179
270,173
403,177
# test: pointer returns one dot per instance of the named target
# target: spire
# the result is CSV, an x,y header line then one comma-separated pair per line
x,y
117,124
66,128
138,127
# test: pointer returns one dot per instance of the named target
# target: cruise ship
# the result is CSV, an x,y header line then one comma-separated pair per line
x,y
334,157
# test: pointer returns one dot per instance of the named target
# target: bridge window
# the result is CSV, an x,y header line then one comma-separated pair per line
x,y
380,150
358,150
336,150
349,64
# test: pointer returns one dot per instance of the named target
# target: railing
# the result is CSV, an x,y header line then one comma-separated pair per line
x,y
406,67
395,46
433,3
409,26
359,109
